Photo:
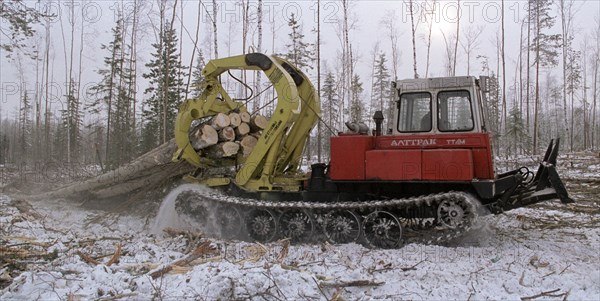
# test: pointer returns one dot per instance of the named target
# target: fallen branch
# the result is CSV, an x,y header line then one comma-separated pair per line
x,y
352,283
87,258
284,250
545,294
115,256
412,268
201,250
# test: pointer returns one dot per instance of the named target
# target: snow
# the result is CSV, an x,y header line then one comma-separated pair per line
x,y
549,250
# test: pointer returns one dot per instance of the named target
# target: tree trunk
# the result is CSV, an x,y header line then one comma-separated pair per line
x,y
457,38
147,171
414,40
223,150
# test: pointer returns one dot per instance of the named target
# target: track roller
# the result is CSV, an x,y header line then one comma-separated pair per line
x,y
382,230
296,224
261,225
342,226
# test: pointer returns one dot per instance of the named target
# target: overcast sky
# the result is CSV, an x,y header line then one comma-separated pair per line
x,y
98,18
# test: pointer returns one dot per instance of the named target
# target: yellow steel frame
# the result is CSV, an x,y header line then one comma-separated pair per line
x,y
275,160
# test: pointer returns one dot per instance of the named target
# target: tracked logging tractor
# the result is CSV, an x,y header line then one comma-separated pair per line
x,y
423,179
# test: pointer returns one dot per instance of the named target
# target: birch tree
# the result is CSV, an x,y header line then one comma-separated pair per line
x,y
470,43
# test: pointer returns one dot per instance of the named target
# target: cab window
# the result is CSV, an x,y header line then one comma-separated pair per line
x,y
454,111
414,112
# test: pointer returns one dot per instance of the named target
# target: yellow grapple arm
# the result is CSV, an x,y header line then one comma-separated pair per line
x,y
279,148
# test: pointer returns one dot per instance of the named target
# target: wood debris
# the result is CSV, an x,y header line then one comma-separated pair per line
x,y
551,293
202,250
351,283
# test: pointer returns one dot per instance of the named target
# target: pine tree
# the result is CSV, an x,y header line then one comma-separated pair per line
x,y
330,108
545,49
116,96
4,143
516,133
166,91
573,83
299,53
20,18
123,129
72,119
493,107
107,89
356,105
25,125
330,100
197,77
381,88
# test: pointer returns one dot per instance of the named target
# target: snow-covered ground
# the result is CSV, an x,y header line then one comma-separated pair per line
x,y
547,252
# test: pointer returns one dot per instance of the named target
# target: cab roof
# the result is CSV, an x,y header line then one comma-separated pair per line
x,y
426,84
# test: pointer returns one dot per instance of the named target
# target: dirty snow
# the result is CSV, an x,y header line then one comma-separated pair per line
x,y
547,252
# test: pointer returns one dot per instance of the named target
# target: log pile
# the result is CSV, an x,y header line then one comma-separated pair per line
x,y
226,135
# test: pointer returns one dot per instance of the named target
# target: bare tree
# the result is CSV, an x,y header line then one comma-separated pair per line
x,y
389,22
259,48
319,134
199,17
430,22
214,22
457,37
470,43
414,42
448,55
504,109
596,69
567,13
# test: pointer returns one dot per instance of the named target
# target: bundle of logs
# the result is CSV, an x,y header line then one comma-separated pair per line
x,y
226,135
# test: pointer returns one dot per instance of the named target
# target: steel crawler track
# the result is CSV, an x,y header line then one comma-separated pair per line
x,y
379,224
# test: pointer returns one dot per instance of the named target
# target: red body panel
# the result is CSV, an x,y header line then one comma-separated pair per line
x,y
432,157
393,165
447,165
348,155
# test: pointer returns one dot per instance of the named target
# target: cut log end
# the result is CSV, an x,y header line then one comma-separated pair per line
x,y
226,134
223,150
235,119
242,130
258,123
245,117
247,144
220,121
204,137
